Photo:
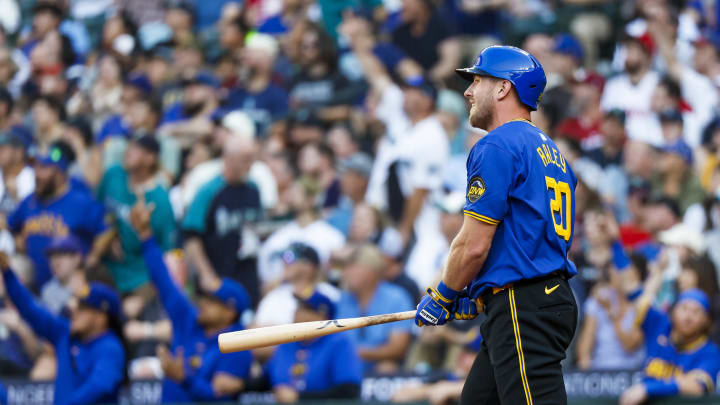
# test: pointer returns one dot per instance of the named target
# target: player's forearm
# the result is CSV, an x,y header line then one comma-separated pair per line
x,y
466,258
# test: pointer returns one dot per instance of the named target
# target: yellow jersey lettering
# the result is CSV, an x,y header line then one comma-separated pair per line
x,y
542,156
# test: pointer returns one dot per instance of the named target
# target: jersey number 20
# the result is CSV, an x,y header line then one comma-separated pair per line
x,y
561,189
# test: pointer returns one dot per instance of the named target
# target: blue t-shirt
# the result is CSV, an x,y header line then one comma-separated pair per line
x,y
317,365
202,354
76,212
274,25
88,372
387,298
115,125
263,107
665,360
518,181
174,113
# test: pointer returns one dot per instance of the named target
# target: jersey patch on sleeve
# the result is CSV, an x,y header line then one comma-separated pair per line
x,y
476,189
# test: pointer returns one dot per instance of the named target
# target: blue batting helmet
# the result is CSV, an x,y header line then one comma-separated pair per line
x,y
512,64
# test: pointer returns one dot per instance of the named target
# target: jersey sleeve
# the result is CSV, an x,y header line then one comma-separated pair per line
x,y
427,162
490,174
194,221
651,321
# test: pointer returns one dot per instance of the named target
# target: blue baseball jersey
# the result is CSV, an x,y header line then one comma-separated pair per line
x,y
665,360
202,354
317,365
76,212
519,181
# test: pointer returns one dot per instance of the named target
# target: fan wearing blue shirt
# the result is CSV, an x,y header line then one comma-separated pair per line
x,y
382,347
324,368
56,210
195,370
680,359
90,356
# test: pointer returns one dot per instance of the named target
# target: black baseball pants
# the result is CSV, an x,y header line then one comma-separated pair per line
x,y
529,326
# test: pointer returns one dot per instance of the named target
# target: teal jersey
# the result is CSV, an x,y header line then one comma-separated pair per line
x,y
519,182
114,192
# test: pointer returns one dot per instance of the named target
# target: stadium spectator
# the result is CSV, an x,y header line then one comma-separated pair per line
x,y
675,177
680,359
308,227
118,191
632,91
190,120
301,274
383,348
408,171
193,367
420,22
324,368
65,256
57,209
48,114
18,178
220,219
256,94
354,173
90,354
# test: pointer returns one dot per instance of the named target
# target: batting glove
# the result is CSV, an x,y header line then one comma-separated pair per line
x,y
435,308
466,308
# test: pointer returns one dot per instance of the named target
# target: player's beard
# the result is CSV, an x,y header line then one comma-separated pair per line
x,y
482,112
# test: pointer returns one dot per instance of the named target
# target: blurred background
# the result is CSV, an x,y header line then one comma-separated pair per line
x,y
314,152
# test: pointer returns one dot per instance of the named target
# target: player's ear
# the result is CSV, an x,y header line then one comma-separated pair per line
x,y
503,89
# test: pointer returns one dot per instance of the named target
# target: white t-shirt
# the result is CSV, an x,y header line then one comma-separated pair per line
x,y
699,92
25,182
641,123
421,151
279,305
320,235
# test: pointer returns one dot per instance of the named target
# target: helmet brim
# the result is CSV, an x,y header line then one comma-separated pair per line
x,y
470,73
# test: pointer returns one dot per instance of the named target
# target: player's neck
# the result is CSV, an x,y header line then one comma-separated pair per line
x,y
685,343
503,117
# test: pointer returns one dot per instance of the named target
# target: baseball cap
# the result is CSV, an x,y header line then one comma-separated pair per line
x,y
68,244
59,155
318,302
101,297
645,40
683,235
566,44
359,162
582,76
671,115
681,149
697,295
239,123
140,82
262,42
149,143
299,251
424,84
17,136
232,294
617,114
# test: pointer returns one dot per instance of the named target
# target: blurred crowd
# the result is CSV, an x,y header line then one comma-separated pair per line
x,y
174,169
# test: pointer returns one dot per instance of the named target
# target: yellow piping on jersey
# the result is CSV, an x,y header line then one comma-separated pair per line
x,y
481,218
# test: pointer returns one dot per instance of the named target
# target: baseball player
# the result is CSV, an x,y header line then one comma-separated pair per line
x,y
90,355
511,252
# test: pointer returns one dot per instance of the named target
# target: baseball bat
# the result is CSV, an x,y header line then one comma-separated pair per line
x,y
294,332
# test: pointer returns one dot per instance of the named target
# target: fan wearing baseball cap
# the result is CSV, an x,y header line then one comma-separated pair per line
x,y
194,368
680,359
324,368
58,208
90,355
